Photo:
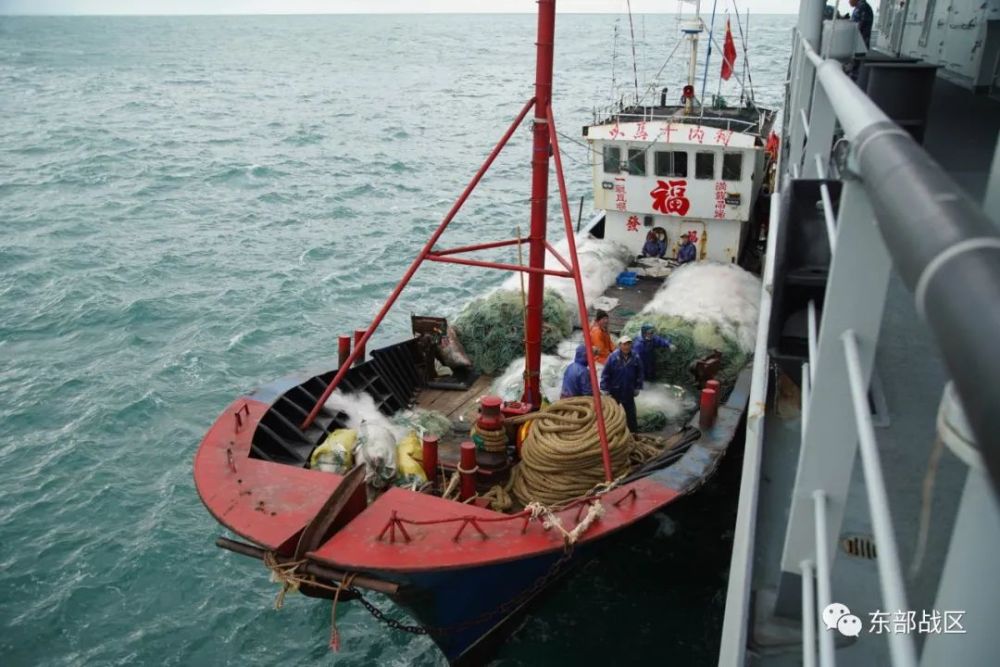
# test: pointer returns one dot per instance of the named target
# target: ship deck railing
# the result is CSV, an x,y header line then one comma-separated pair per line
x,y
898,210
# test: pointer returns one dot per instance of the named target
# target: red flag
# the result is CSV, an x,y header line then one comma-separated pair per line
x,y
728,54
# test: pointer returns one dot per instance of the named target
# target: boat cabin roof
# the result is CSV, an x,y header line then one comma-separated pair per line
x,y
753,121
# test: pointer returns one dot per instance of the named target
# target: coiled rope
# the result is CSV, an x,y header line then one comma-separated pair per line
x,y
494,441
561,455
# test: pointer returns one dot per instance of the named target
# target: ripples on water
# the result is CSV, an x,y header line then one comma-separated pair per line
x,y
192,206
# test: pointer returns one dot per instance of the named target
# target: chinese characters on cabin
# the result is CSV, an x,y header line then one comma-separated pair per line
x,y
670,197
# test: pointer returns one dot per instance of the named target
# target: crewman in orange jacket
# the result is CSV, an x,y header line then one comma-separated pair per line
x,y
600,338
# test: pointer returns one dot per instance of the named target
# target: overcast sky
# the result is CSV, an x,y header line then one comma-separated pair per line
x,y
363,6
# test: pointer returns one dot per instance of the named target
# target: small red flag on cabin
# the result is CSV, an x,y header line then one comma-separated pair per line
x,y
728,54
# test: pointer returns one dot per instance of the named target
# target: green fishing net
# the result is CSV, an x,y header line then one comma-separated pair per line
x,y
691,340
492,328
423,422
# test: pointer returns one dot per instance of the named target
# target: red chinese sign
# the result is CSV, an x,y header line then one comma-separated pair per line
x,y
670,197
723,137
720,199
696,134
620,203
615,131
633,223
640,130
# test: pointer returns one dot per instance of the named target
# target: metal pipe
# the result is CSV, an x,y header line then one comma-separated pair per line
x,y
419,260
732,650
813,338
824,193
890,577
310,567
539,201
343,350
476,246
602,432
805,122
559,258
806,392
498,265
359,346
808,615
823,575
708,56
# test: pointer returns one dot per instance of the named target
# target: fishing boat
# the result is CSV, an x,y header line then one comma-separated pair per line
x,y
464,571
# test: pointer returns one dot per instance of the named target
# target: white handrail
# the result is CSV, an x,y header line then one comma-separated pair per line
x,y
734,627
890,575
808,615
812,340
823,595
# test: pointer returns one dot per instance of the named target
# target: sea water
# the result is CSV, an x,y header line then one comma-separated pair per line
x,y
192,206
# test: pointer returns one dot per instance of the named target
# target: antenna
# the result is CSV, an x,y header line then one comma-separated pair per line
x,y
635,71
746,59
614,60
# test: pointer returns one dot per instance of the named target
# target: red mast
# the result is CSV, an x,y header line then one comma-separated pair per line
x,y
545,142
539,200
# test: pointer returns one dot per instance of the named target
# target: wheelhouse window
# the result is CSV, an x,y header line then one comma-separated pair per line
x,y
612,159
732,166
637,161
671,163
704,166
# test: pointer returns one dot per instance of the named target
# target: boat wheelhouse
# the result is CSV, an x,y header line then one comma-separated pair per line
x,y
686,169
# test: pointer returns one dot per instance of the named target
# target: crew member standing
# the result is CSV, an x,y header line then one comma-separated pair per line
x,y
645,347
600,338
862,14
622,378
576,379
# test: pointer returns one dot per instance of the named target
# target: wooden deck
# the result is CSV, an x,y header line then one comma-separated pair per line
x,y
455,404
462,407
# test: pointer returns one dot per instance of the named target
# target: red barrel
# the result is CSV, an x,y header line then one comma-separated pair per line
x,y
430,457
358,335
343,349
708,408
468,468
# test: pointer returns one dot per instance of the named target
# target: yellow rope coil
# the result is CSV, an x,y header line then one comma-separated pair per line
x,y
561,456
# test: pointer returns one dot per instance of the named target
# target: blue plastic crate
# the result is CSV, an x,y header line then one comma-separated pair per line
x,y
628,278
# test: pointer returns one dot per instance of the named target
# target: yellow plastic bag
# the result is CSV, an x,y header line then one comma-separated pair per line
x,y
335,454
409,454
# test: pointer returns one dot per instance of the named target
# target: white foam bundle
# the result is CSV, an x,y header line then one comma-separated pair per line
x,y
722,294
360,407
600,263
510,385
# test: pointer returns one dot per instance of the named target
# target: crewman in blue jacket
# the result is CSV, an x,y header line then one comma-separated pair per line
x,y
645,347
654,247
622,378
687,252
576,379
